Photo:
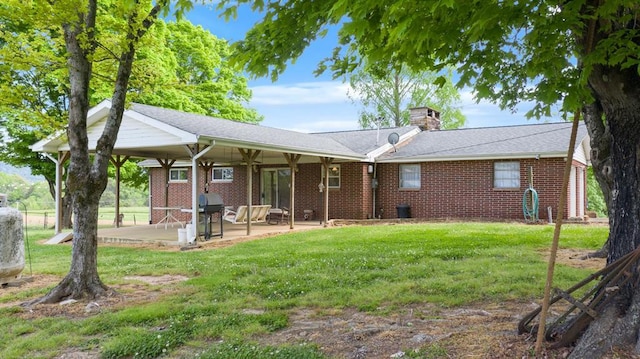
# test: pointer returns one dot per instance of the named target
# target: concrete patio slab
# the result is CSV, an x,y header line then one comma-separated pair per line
x,y
149,234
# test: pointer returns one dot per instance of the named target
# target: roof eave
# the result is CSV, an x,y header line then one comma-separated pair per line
x,y
474,157
287,149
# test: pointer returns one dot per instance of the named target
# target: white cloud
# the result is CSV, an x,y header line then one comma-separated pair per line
x,y
323,106
311,117
321,92
329,125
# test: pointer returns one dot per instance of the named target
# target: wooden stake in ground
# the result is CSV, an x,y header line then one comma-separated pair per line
x,y
556,235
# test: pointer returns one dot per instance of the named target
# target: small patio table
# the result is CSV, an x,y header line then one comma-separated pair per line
x,y
169,217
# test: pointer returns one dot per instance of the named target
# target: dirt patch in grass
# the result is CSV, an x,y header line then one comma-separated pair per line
x,y
137,290
577,258
485,330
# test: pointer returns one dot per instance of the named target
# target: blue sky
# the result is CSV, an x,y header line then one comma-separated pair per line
x,y
302,102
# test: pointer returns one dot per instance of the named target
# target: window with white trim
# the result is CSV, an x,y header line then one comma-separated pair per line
x,y
506,174
410,176
334,176
222,174
178,175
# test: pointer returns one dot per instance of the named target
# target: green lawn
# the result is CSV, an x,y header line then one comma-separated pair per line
x,y
368,268
138,214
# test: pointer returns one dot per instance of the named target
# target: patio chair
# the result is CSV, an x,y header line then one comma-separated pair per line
x,y
258,214
237,216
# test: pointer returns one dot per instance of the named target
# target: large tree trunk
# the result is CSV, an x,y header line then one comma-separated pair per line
x,y
82,281
84,185
87,179
67,211
617,168
600,160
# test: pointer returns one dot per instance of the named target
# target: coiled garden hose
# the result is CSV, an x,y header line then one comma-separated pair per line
x,y
530,205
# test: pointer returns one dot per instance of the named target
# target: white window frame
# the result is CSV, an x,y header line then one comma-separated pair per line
x,y
405,170
334,176
176,177
506,175
226,174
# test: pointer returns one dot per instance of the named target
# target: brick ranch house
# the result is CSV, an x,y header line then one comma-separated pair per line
x,y
417,170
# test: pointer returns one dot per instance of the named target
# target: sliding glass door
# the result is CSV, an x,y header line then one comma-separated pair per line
x,y
276,183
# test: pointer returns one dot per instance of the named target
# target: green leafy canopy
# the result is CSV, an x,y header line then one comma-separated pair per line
x,y
509,51
387,97
178,65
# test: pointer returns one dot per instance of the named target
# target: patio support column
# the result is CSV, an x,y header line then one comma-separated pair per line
x,y
62,157
206,167
249,157
166,165
580,196
326,162
195,156
117,163
572,203
292,160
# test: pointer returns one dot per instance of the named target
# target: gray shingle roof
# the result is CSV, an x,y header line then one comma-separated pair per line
x,y
217,128
551,139
365,141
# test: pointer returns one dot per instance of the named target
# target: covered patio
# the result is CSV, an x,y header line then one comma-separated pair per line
x,y
169,136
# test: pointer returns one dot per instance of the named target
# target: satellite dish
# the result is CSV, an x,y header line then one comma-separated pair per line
x,y
393,138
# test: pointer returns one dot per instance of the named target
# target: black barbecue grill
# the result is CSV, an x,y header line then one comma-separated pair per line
x,y
212,210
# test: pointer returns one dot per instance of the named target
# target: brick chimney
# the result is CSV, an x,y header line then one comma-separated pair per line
x,y
426,118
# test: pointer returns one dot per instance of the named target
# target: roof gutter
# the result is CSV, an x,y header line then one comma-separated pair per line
x,y
472,158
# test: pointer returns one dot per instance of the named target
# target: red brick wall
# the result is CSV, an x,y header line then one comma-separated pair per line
x,y
352,200
307,195
453,189
464,189
179,193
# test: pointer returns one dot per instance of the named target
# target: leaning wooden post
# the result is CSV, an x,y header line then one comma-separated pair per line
x,y
556,235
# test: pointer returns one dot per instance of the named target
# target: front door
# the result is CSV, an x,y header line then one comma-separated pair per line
x,y
276,183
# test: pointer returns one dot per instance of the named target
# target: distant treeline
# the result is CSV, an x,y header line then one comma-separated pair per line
x,y
36,196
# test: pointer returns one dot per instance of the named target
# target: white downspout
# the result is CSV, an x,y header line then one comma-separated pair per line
x,y
374,186
150,195
58,194
194,184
